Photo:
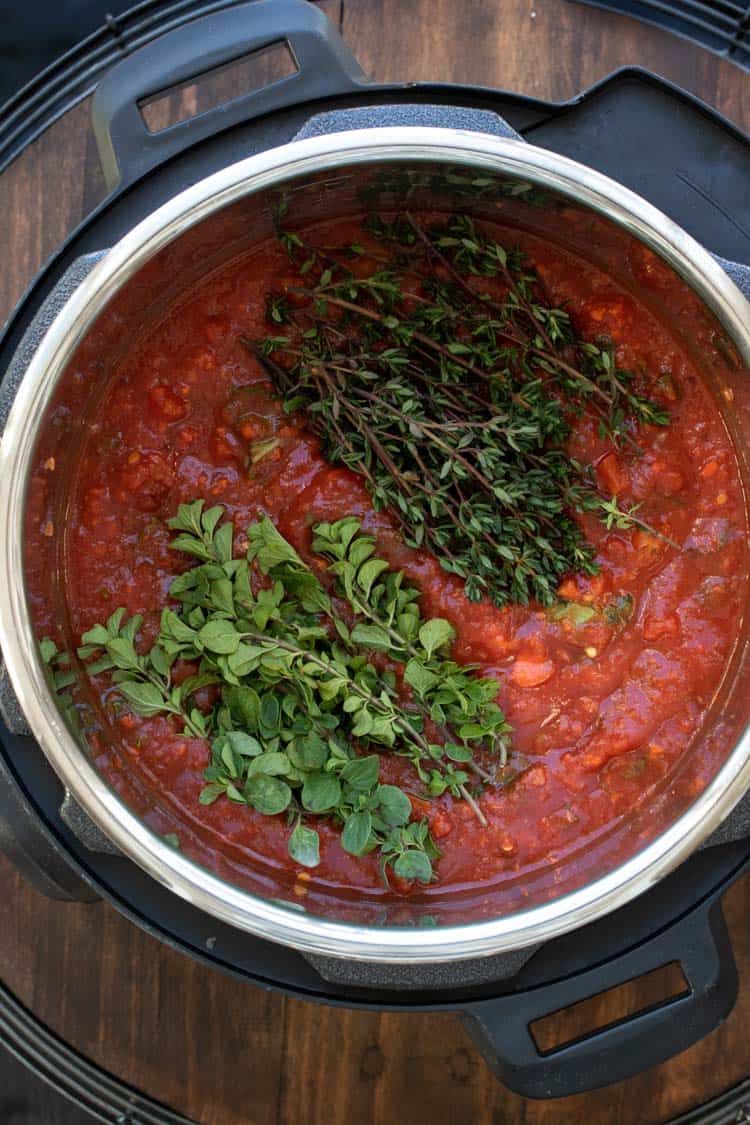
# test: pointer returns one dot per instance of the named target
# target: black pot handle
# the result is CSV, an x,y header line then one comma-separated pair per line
x,y
699,941
127,148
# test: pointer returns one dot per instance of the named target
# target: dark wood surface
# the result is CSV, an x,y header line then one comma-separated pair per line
x,y
224,1053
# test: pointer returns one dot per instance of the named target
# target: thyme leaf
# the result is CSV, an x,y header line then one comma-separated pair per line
x,y
447,379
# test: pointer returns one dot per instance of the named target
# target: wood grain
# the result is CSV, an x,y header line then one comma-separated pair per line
x,y
221,1052
225,1053
550,49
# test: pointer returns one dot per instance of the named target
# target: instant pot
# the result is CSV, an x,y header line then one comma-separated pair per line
x,y
182,202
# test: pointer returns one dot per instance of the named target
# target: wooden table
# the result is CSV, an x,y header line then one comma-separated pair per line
x,y
221,1052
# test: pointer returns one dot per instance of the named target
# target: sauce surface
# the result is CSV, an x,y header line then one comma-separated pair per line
x,y
602,711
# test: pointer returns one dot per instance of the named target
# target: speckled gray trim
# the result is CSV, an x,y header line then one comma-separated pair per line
x,y
428,116
10,709
735,827
464,974
83,827
740,274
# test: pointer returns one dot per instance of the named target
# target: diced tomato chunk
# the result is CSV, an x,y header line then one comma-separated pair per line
x,y
656,627
164,401
611,475
146,480
647,545
440,824
532,673
226,447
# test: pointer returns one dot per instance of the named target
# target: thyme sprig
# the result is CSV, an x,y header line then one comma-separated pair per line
x,y
447,380
311,685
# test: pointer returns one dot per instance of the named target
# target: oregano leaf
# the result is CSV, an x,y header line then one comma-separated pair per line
x,y
304,846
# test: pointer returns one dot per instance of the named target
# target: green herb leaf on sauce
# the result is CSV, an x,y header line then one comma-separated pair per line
x,y
304,846
145,698
573,612
356,835
412,865
302,703
619,610
268,794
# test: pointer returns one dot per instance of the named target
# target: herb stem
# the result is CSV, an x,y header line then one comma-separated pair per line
x,y
456,406
369,314
473,805
311,657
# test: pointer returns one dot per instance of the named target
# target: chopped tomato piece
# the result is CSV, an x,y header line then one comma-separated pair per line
x,y
646,544
532,673
440,824
611,475
656,627
164,401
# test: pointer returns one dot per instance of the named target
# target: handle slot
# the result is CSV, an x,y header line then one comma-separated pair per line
x,y
219,85
609,1009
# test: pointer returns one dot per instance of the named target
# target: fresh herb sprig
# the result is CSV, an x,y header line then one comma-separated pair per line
x,y
61,674
143,680
311,686
454,403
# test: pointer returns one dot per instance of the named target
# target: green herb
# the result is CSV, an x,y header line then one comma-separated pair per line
x,y
61,676
577,614
303,712
616,612
304,846
261,449
455,184
619,610
144,681
59,665
453,404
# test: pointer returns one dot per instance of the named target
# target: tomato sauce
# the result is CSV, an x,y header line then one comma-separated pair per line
x,y
602,713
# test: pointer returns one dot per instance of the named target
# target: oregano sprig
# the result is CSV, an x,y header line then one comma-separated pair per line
x,y
301,712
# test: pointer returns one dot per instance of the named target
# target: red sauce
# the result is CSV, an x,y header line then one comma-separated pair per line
x,y
601,716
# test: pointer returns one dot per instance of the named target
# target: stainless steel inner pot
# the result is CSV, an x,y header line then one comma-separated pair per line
x,y
127,290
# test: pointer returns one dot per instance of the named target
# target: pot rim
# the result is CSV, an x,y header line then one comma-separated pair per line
x,y
208,892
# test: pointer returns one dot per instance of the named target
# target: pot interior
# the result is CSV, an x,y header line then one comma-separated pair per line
x,y
165,282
